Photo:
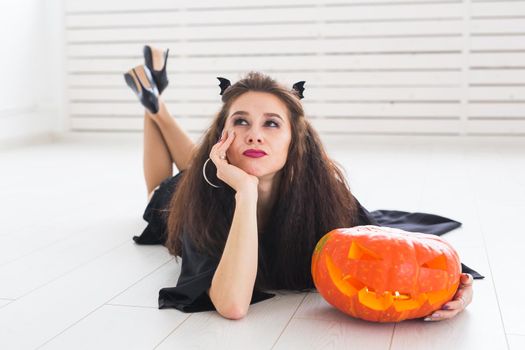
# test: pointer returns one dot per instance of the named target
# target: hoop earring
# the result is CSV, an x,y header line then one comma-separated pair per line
x,y
204,174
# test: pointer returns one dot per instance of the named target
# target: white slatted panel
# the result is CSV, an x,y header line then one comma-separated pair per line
x,y
497,68
370,66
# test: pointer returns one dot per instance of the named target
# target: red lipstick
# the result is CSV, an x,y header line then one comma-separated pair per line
x,y
254,153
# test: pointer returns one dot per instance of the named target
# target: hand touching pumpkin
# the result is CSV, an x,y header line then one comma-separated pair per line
x,y
459,302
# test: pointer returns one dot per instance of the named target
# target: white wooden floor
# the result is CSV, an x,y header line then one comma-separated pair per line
x,y
72,278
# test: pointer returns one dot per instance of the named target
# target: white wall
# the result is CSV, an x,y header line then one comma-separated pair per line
x,y
452,67
397,67
32,75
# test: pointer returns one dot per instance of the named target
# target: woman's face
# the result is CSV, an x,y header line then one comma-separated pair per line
x,y
261,122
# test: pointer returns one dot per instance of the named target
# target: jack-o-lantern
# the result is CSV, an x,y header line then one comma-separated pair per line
x,y
384,274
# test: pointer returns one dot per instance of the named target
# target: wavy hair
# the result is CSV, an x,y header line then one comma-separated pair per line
x,y
313,197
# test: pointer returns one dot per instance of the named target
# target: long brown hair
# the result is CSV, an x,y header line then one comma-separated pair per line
x,y
313,197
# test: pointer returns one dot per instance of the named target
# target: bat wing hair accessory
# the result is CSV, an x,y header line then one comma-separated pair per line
x,y
297,87
224,84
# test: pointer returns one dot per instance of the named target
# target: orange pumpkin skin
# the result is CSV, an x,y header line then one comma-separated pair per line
x,y
384,274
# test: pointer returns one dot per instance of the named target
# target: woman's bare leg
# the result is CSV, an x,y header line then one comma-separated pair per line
x,y
157,160
177,141
165,142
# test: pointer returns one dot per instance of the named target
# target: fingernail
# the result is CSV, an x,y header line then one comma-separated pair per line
x,y
428,319
445,307
435,315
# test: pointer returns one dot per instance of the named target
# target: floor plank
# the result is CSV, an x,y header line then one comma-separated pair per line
x,y
258,330
146,291
479,326
117,327
52,308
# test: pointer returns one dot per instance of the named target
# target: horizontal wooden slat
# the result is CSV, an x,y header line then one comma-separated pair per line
x,y
515,42
497,76
506,93
178,80
336,12
318,109
349,126
314,94
277,46
123,5
514,59
303,30
380,79
141,35
495,127
497,8
408,62
510,25
494,109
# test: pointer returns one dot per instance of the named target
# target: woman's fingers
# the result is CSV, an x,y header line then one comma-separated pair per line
x,y
461,299
225,143
456,304
441,315
215,149
466,279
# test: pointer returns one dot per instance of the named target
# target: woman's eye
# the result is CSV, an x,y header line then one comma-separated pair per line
x,y
239,120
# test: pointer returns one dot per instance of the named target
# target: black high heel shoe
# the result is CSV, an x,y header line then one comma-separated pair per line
x,y
160,76
148,96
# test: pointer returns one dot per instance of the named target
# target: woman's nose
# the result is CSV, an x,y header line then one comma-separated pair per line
x,y
254,135
254,139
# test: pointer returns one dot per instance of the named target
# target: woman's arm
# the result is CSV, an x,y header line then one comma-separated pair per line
x,y
232,284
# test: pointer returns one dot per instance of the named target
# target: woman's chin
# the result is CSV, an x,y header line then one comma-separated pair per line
x,y
255,171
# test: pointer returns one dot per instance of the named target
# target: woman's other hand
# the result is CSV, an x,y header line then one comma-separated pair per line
x,y
235,177
459,302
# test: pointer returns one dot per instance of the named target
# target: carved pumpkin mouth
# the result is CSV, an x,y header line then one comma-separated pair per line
x,y
369,297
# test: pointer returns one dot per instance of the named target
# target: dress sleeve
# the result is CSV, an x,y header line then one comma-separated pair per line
x,y
197,270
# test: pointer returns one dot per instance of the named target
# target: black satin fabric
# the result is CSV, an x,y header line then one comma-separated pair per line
x,y
197,270
413,222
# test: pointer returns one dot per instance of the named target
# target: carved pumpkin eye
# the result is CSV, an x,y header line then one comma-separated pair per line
x,y
437,263
358,252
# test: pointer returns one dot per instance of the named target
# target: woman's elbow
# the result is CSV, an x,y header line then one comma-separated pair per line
x,y
234,312
230,309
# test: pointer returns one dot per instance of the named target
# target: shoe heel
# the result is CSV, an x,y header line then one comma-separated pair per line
x,y
148,96
160,76
131,82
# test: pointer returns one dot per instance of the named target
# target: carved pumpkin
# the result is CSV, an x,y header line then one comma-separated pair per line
x,y
384,274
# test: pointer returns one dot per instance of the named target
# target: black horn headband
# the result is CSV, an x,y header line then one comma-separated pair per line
x,y
297,87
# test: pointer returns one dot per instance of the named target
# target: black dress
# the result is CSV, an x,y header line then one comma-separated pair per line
x,y
197,270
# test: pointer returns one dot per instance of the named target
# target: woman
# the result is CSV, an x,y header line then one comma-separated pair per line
x,y
253,197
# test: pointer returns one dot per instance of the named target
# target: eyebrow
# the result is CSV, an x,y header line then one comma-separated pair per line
x,y
265,114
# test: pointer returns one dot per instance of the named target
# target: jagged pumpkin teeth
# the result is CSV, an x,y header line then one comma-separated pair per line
x,y
385,274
